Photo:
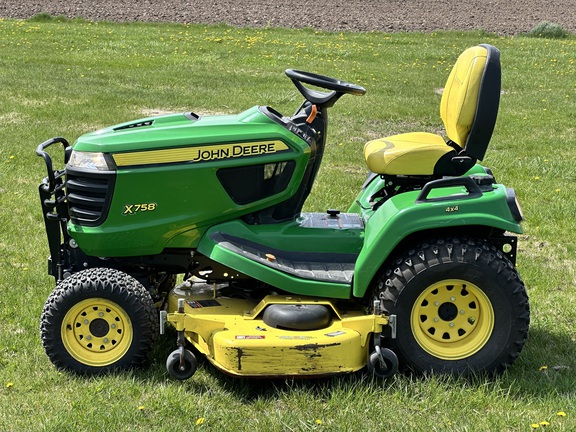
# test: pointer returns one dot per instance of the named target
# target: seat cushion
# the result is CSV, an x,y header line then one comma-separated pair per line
x,y
415,153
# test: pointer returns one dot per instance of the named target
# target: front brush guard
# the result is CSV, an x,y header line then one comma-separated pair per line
x,y
54,208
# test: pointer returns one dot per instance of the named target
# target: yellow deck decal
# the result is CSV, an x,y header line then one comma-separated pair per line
x,y
199,154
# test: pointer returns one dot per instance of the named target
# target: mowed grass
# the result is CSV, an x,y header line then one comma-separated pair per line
x,y
67,78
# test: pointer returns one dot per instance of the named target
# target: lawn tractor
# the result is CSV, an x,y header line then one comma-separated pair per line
x,y
196,222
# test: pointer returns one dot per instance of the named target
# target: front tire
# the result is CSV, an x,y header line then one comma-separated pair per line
x,y
98,320
461,307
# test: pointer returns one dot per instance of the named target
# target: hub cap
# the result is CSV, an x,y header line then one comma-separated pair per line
x,y
97,332
452,319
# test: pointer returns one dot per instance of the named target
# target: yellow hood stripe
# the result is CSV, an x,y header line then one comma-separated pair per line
x,y
200,153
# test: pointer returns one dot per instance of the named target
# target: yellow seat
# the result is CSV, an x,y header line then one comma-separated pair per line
x,y
468,108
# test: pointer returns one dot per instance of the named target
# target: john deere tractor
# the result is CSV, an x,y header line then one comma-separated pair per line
x,y
196,222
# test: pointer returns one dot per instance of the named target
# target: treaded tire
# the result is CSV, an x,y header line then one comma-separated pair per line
x,y
98,320
173,365
461,307
375,368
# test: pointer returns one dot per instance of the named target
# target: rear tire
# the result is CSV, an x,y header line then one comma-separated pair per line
x,y
98,320
461,307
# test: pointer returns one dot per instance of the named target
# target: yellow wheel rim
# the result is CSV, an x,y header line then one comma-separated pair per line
x,y
452,319
97,332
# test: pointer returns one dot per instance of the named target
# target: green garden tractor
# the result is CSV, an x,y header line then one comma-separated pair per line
x,y
196,222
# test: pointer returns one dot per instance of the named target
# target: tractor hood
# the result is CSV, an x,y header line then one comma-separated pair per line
x,y
178,130
140,187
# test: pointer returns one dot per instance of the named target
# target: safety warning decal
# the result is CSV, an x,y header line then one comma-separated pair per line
x,y
245,337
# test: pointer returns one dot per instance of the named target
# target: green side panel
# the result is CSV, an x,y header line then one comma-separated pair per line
x,y
289,236
170,205
295,236
401,216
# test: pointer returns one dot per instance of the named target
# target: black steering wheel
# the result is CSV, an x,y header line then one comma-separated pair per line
x,y
325,99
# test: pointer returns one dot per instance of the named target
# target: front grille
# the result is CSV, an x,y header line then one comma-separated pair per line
x,y
89,196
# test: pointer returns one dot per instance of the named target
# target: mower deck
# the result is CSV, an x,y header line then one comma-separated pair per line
x,y
235,338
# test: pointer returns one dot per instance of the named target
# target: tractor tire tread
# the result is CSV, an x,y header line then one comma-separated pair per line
x,y
428,254
93,283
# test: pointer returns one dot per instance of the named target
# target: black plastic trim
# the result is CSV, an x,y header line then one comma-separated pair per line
x,y
514,205
487,106
471,186
89,194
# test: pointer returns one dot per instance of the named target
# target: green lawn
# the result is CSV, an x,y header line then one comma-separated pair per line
x,y
68,78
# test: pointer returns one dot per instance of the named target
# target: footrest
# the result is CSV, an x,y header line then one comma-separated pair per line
x,y
325,267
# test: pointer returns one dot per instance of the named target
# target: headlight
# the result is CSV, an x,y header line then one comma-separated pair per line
x,y
90,161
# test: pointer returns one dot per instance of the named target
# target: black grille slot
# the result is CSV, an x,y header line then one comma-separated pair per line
x,y
134,125
89,196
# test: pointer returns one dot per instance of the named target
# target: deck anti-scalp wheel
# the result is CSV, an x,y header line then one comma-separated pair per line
x,y
98,320
181,364
460,305
382,363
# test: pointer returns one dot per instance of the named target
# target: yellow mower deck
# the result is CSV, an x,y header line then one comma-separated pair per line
x,y
235,339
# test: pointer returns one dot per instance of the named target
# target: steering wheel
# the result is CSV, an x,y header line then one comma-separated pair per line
x,y
325,99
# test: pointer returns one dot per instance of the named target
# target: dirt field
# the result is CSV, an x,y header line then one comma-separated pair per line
x,y
499,16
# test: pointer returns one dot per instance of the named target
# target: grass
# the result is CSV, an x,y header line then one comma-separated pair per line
x,y
62,77
548,30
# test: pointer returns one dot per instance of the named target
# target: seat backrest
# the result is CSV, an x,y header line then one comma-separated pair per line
x,y
471,97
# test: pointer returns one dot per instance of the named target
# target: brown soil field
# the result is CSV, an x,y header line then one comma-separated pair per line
x,y
505,17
